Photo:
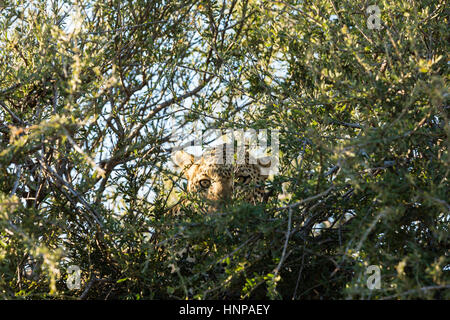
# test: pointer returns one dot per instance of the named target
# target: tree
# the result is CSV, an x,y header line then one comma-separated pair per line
x,y
92,94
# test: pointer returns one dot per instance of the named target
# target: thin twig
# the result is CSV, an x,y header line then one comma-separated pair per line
x,y
254,237
299,273
286,241
16,183
317,196
13,115
87,157
69,187
89,285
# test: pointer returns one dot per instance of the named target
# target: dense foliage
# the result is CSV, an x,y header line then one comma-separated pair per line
x,y
92,92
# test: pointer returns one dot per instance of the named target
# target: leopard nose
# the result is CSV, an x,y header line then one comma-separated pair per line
x,y
221,192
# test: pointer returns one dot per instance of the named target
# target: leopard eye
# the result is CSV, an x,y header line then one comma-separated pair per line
x,y
205,183
244,179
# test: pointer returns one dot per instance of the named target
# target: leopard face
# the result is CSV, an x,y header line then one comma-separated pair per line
x,y
219,180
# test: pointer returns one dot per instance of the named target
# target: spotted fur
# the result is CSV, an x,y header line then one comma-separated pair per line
x,y
220,179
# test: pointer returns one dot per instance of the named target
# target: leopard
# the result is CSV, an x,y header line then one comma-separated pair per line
x,y
219,181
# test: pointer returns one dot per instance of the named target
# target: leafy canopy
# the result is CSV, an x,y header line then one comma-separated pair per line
x,y
93,92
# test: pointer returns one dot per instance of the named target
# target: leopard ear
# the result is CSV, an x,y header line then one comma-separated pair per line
x,y
182,159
